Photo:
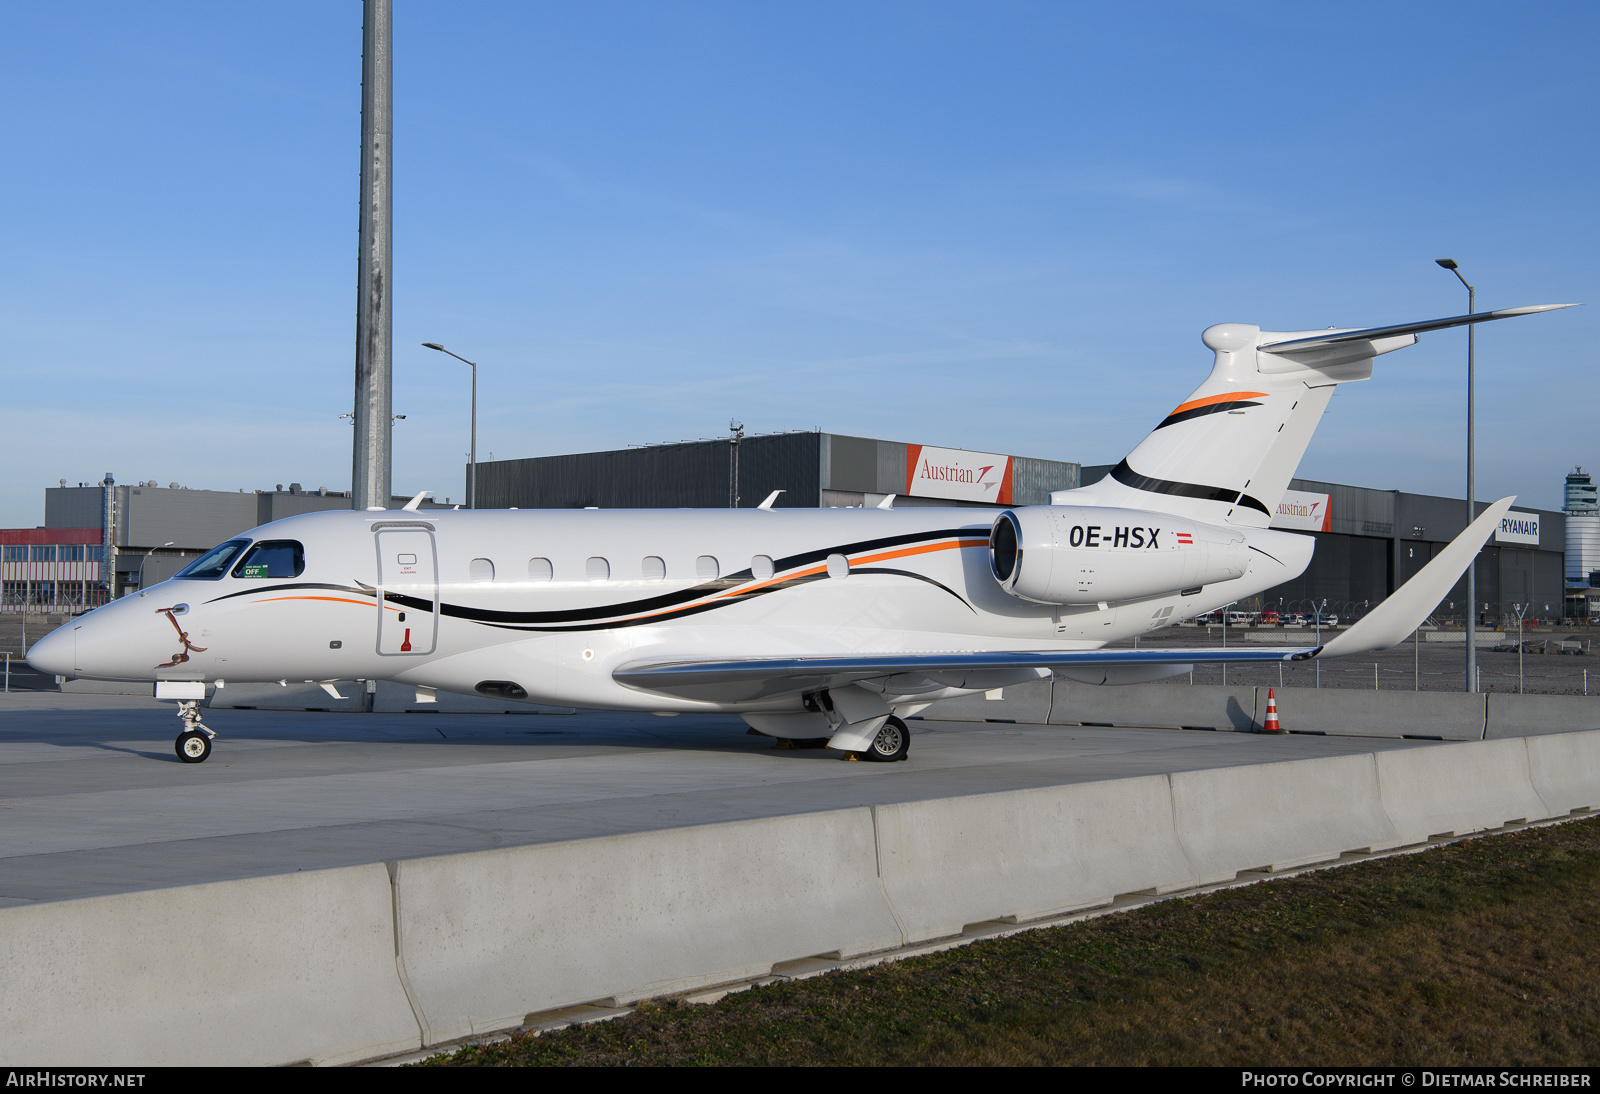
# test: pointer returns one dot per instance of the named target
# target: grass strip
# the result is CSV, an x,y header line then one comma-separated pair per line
x,y
1482,952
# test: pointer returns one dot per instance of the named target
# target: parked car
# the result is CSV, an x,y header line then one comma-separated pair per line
x,y
1267,619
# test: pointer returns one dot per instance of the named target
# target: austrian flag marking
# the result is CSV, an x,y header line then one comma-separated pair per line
x,y
1185,539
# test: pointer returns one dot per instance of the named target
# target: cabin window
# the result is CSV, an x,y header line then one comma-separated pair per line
x,y
655,569
539,569
706,567
838,566
597,569
761,567
480,569
277,558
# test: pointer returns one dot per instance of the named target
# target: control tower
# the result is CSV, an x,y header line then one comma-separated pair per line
x,y
1582,507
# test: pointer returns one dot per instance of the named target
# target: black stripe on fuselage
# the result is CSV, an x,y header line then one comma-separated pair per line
x,y
1127,476
653,605
1201,411
685,596
721,602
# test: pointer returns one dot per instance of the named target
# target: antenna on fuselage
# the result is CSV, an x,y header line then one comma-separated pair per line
x,y
412,505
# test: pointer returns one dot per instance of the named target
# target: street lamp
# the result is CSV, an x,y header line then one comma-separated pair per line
x,y
1472,508
472,467
146,558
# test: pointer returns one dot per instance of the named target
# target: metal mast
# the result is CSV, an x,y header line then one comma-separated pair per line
x,y
371,479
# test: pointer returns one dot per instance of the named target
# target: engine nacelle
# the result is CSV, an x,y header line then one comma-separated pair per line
x,y
1076,554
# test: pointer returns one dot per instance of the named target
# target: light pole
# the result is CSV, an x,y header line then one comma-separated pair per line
x,y
1472,507
472,466
1320,608
146,558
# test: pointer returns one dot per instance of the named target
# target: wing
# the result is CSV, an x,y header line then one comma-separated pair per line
x,y
757,679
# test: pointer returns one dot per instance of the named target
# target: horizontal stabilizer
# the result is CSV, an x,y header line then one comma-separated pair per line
x,y
1404,611
1325,341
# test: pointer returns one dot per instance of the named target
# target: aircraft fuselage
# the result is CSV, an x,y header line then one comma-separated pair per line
x,y
553,601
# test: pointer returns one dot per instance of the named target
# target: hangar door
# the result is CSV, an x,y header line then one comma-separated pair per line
x,y
408,591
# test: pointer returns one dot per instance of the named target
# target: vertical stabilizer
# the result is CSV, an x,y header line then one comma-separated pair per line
x,y
1225,454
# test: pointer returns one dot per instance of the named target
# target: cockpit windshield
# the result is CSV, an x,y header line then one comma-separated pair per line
x,y
273,558
214,563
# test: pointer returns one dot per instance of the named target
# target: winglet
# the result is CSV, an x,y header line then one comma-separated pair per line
x,y
411,506
1389,623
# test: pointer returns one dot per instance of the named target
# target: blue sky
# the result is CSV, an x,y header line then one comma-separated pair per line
x,y
991,226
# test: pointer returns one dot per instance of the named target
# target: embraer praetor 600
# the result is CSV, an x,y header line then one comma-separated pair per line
x,y
830,624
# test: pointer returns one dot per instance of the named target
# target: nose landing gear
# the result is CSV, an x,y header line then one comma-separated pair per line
x,y
194,743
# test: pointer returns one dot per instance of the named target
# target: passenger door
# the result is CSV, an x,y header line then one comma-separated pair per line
x,y
408,591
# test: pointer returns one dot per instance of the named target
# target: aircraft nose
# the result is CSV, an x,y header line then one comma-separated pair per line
x,y
54,653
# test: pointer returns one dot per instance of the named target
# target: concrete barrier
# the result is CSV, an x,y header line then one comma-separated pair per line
x,y
1530,715
489,937
1565,771
1161,706
271,970
1456,789
1277,816
1447,716
1027,703
1480,637
1026,854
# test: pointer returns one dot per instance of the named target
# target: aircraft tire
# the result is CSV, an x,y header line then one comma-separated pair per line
x,y
892,743
192,747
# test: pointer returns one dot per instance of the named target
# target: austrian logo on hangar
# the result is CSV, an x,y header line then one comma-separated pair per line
x,y
958,475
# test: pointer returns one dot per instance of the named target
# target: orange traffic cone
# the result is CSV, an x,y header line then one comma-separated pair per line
x,y
1272,725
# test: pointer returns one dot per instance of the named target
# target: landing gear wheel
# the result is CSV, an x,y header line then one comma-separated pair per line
x,y
892,743
192,747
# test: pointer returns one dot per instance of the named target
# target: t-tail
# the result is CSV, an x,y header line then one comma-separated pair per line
x,y
1225,455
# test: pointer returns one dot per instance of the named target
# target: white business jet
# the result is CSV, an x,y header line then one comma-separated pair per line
x,y
823,626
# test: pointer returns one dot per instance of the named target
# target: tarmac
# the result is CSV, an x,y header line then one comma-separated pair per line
x,y
94,801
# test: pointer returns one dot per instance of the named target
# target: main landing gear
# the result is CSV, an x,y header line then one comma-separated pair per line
x,y
892,743
194,743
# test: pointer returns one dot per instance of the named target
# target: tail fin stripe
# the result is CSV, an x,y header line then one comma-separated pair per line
x,y
1127,476
1226,396
1182,415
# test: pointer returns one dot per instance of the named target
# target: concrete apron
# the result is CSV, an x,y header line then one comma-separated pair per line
x,y
354,963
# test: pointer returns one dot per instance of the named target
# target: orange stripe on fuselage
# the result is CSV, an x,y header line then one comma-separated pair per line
x,y
1227,397
331,599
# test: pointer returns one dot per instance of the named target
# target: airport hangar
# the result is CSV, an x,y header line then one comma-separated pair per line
x,y
1369,542
148,532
